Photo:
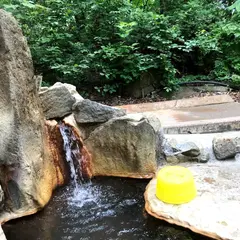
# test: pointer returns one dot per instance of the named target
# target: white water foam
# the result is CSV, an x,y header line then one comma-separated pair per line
x,y
81,192
84,194
66,134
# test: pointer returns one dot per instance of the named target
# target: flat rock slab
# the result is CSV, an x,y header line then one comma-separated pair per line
x,y
214,212
177,104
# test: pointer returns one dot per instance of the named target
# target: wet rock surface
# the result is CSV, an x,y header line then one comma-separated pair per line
x,y
128,146
215,210
179,158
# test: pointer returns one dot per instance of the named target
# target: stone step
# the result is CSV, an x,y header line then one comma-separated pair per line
x,y
203,126
176,104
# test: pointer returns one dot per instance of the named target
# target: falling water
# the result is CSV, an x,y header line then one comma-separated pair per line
x,y
81,187
73,154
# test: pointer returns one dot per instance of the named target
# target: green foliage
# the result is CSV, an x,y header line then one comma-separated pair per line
x,y
107,44
236,6
235,81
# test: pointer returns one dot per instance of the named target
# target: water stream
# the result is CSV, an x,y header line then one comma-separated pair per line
x,y
77,164
68,143
101,209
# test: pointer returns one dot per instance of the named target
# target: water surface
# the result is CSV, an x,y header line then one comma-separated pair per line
x,y
107,208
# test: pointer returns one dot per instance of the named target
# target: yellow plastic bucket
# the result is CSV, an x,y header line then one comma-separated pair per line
x,y
175,185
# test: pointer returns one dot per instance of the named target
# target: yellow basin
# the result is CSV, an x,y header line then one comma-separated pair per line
x,y
175,185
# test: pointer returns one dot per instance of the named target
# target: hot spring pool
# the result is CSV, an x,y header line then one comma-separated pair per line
x,y
106,208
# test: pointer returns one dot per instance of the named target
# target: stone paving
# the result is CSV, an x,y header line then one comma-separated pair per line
x,y
212,114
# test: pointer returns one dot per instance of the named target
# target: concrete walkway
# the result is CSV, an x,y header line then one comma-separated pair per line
x,y
195,115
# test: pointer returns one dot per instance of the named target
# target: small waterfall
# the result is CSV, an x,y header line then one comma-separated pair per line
x,y
77,162
81,191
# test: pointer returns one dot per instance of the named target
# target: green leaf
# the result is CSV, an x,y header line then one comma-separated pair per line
x,y
236,6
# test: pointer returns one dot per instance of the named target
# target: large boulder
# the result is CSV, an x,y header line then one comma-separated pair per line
x,y
71,88
88,111
28,170
127,146
57,100
226,145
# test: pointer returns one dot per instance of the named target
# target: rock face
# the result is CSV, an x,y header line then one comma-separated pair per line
x,y
58,166
126,146
57,100
216,209
88,111
27,168
226,145
72,89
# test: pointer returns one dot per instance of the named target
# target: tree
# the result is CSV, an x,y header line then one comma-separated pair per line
x,y
109,44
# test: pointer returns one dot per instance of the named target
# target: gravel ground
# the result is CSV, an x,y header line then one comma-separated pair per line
x,y
115,101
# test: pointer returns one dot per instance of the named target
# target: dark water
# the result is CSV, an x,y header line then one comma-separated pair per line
x,y
108,208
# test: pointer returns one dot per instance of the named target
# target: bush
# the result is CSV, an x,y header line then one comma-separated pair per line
x,y
106,44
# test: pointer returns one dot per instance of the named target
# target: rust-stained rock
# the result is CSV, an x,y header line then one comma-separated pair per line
x,y
52,172
216,209
29,170
59,166
127,146
80,157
